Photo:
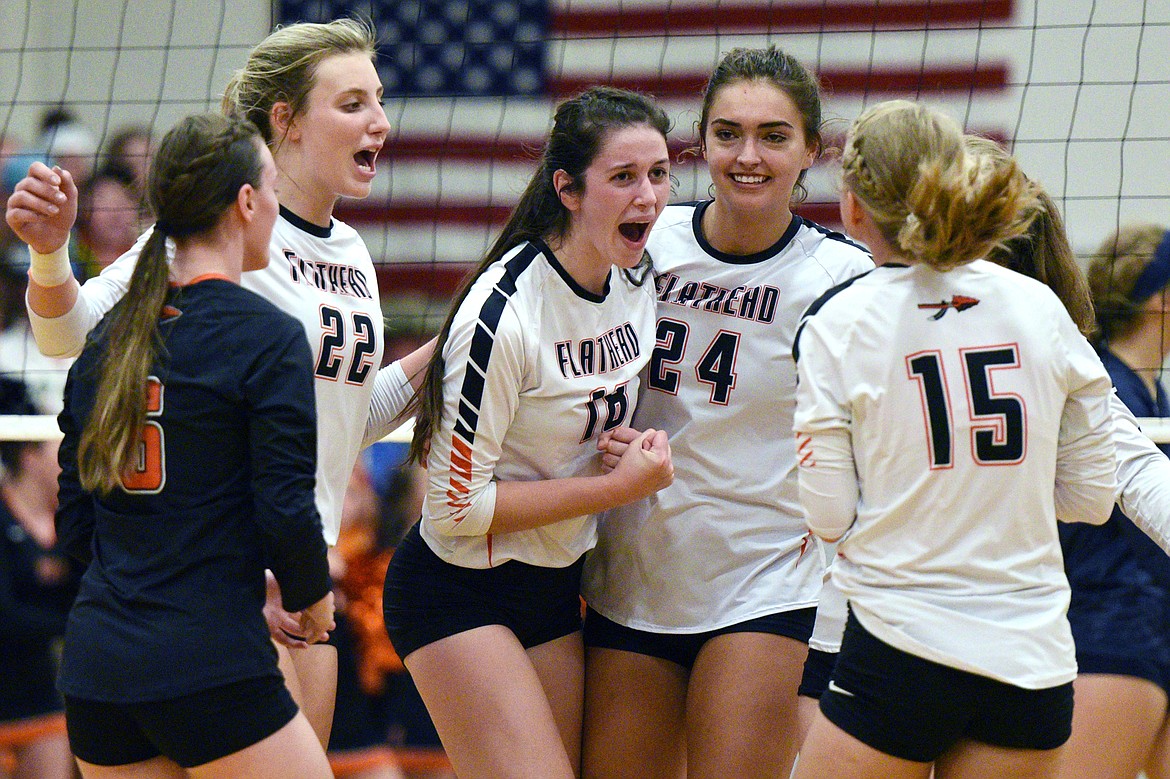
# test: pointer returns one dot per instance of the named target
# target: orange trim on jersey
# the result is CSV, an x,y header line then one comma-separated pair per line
x,y
204,277
207,276
461,446
804,448
460,463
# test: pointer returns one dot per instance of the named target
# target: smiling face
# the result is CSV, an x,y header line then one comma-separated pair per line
x,y
756,148
624,190
331,148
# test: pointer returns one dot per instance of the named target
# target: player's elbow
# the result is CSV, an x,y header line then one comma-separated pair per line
x,y
457,517
1090,505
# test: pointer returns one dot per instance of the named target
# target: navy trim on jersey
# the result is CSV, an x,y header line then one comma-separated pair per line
x,y
480,353
302,224
743,259
816,305
578,290
833,235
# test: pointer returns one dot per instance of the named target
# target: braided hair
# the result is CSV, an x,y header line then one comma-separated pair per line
x,y
196,175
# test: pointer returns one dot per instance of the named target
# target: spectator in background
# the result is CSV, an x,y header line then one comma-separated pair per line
x,y
107,217
131,147
63,141
364,655
377,703
37,586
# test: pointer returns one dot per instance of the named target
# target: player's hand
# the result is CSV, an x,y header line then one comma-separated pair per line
x,y
613,444
645,467
43,207
284,626
317,620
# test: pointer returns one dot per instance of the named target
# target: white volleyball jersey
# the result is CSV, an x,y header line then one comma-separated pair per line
x,y
536,368
727,541
325,278
976,413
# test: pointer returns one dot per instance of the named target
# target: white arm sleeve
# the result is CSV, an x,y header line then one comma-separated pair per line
x,y
828,481
63,336
1143,476
1086,458
392,391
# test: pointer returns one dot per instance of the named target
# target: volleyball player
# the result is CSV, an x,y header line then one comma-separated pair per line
x,y
314,93
540,353
957,653
702,597
1143,475
187,465
1120,578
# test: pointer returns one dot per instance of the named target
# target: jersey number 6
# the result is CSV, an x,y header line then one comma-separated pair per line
x,y
150,471
998,421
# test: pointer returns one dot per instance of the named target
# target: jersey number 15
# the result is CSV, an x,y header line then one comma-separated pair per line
x,y
998,420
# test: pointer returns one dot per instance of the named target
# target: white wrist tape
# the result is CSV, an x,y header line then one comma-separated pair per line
x,y
50,270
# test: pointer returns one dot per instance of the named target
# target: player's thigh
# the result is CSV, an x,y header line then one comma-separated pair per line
x,y
560,666
489,706
742,714
635,708
969,759
155,768
1116,722
831,753
295,744
1158,761
311,676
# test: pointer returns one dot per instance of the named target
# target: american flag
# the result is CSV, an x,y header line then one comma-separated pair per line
x,y
471,86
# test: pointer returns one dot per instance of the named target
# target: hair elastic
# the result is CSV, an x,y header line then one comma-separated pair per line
x,y
1155,276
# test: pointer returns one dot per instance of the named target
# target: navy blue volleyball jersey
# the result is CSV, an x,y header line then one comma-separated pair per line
x,y
171,602
1118,551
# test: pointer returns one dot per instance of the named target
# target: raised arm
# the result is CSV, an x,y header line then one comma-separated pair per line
x,y
41,211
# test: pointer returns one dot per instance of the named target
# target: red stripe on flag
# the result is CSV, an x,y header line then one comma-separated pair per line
x,y
979,78
720,18
400,213
367,212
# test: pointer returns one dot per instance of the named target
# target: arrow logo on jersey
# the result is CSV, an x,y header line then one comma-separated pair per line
x,y
957,302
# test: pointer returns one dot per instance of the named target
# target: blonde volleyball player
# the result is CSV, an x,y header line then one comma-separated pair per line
x,y
957,654
314,93
701,597
541,352
1103,743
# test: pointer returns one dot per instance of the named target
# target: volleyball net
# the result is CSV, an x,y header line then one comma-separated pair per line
x,y
1076,88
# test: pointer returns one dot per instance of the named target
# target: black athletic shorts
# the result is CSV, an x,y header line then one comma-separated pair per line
x,y
683,648
916,709
191,730
427,598
818,669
